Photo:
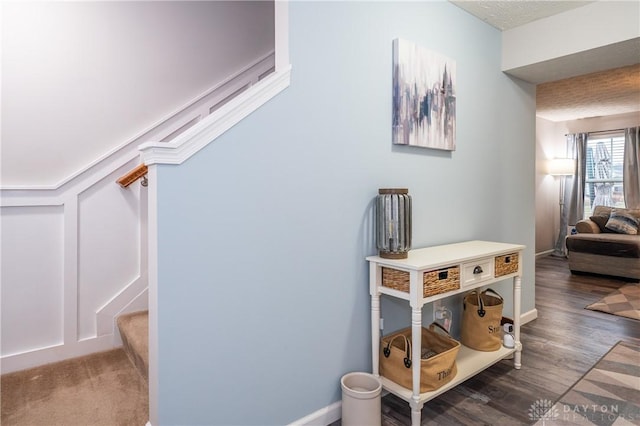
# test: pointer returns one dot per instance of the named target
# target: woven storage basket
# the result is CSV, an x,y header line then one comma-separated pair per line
x,y
433,282
437,364
507,264
481,327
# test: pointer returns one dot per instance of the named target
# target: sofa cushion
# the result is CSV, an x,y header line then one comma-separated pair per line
x,y
606,211
623,222
618,245
601,221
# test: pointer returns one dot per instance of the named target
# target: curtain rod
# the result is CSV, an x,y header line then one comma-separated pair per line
x,y
608,131
599,131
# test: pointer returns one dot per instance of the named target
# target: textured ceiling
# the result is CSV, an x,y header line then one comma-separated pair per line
x,y
505,15
598,82
603,93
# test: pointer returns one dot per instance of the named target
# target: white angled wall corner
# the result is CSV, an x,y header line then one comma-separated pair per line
x,y
110,70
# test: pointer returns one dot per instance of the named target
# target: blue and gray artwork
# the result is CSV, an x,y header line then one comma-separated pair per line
x,y
424,97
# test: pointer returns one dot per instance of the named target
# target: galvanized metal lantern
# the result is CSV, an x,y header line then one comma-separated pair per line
x,y
393,223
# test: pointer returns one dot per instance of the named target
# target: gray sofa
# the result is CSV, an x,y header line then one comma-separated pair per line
x,y
602,247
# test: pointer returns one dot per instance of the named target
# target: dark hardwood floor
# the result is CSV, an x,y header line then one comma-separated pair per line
x,y
562,344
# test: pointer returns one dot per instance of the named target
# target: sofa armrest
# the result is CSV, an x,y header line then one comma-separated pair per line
x,y
587,226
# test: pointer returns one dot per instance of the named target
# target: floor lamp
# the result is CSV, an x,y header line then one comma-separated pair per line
x,y
561,167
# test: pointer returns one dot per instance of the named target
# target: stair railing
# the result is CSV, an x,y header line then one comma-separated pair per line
x,y
140,172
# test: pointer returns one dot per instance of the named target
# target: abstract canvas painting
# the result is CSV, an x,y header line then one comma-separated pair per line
x,y
424,97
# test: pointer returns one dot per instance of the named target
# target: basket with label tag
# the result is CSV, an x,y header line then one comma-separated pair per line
x,y
437,364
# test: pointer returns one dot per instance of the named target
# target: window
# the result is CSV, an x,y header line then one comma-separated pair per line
x,y
603,183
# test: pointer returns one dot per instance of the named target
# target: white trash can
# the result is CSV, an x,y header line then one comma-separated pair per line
x,y
361,404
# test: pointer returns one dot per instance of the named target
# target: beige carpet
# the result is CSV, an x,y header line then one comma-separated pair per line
x,y
607,395
99,389
624,302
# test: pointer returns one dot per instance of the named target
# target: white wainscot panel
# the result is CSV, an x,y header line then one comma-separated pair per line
x,y
32,277
108,246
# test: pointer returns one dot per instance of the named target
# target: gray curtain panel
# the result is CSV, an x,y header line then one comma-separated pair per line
x,y
577,145
572,206
631,167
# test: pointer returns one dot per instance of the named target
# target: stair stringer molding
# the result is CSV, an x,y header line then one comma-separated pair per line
x,y
74,254
192,140
133,298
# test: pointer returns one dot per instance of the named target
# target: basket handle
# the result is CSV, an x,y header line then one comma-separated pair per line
x,y
407,348
435,326
495,293
481,311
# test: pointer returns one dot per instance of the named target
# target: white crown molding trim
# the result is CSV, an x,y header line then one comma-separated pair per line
x,y
206,131
324,416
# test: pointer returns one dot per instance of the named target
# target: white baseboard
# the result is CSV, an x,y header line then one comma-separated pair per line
x,y
323,417
528,316
36,357
544,253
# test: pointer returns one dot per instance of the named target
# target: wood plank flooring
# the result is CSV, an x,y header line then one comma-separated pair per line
x,y
559,347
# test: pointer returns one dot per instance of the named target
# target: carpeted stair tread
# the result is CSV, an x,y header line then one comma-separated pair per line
x,y
134,330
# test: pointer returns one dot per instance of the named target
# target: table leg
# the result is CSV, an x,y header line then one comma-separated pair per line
x,y
416,416
517,290
416,354
375,333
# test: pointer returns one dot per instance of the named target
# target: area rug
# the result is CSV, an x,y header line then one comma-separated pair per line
x,y
624,302
607,395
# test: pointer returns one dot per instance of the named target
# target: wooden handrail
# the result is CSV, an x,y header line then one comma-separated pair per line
x,y
133,176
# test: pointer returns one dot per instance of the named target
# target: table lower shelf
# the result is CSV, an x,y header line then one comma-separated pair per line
x,y
470,362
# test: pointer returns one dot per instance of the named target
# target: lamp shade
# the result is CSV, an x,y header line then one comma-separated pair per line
x,y
561,166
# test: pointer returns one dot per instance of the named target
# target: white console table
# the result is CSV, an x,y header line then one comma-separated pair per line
x,y
476,262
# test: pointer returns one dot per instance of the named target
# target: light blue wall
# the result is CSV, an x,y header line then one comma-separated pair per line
x,y
263,288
